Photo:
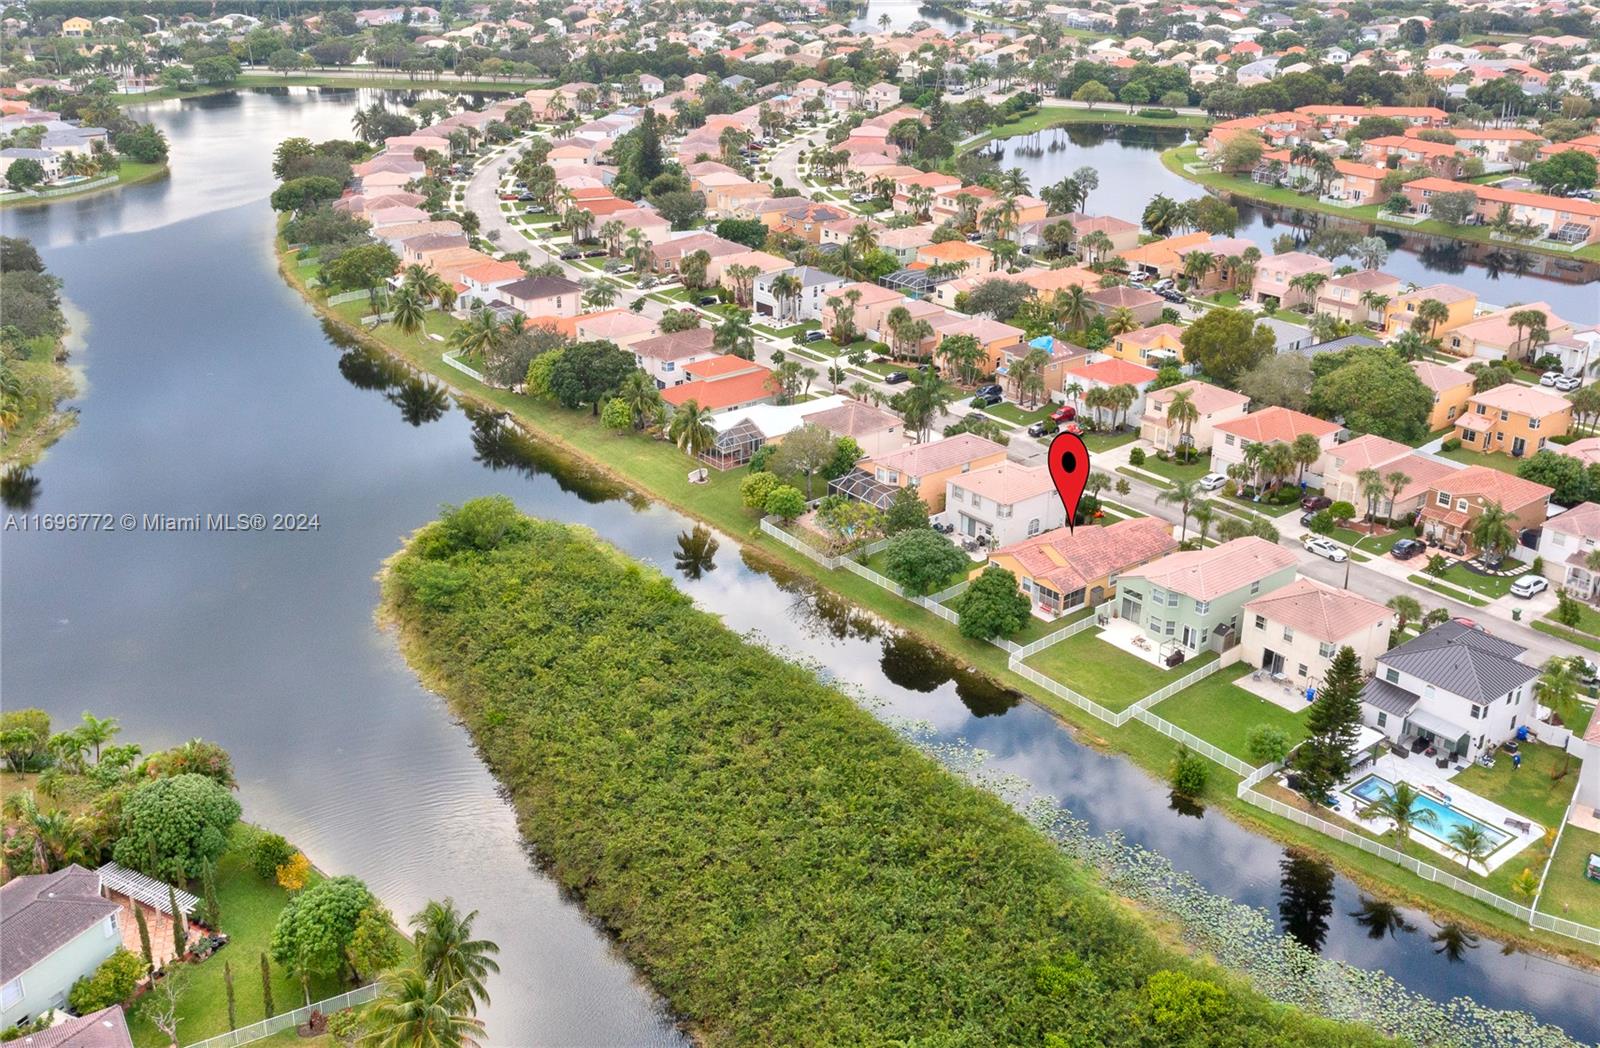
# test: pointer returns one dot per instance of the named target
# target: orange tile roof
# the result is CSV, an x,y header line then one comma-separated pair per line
x,y
1320,611
1207,573
1439,378
1114,372
717,367
1277,423
1491,484
1208,399
1524,400
718,394
1069,559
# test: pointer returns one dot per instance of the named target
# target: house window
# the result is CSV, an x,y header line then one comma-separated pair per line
x,y
1482,410
1155,626
1228,440
1392,676
958,494
109,925
669,365
1158,597
1468,436
1461,504
1477,712
1172,627
1302,670
1533,423
1383,718
1443,499
1261,622
11,993
1325,650
1255,587
1202,606
1033,526
1288,633
1172,599
1002,511
977,501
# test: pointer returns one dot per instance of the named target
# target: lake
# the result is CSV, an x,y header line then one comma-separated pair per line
x,y
212,387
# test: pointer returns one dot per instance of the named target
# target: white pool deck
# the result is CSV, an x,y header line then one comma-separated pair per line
x,y
1128,636
1421,773
1289,694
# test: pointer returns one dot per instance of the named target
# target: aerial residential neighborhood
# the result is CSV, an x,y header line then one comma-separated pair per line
x,y
734,347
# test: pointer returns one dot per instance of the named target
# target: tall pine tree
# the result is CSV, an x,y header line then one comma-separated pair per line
x,y
1334,722
144,936
227,983
180,930
266,985
208,887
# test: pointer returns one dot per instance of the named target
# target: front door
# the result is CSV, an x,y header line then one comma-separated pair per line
x,y
1130,609
1190,638
1518,446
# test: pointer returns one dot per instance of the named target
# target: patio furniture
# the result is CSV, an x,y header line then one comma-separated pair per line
x,y
1520,825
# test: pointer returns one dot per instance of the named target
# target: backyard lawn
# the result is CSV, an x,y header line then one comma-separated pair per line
x,y
879,562
250,906
1038,629
1528,790
1468,457
1222,713
1098,442
1567,892
1107,674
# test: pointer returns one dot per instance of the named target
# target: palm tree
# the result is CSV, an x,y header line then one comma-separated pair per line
x,y
735,335
1072,308
1097,244
1559,686
1278,461
863,239
1493,534
924,400
691,429
1121,320
414,1011
1204,514
1181,494
1374,303
1162,215
478,335
450,957
1309,284
1404,808
1471,842
638,391
1305,451
602,296
1074,391
96,731
1536,324
407,310
1370,483
1196,264
1406,610
786,290
1431,313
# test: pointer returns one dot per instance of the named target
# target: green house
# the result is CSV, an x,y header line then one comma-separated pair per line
x,y
1193,601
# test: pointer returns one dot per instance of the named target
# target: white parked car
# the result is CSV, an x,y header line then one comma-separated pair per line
x,y
1326,549
1549,377
1212,481
1528,585
1568,383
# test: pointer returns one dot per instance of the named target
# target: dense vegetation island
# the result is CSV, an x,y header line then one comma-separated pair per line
x,y
135,897
783,867
34,378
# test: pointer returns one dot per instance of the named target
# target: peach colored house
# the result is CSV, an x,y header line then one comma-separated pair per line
x,y
1271,425
1450,388
872,305
1494,337
1297,629
1458,498
1151,346
1513,419
1215,405
1351,296
1275,273
971,257
923,467
1400,312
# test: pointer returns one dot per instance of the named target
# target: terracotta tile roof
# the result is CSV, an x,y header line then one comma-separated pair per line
x,y
1445,293
1585,451
1208,573
676,345
1492,485
1123,297
1114,372
1582,520
1497,329
1319,611
1439,378
1368,452
717,367
1277,423
919,460
1152,333
1069,559
1524,400
852,419
1364,280
717,394
613,323
1208,399
1006,483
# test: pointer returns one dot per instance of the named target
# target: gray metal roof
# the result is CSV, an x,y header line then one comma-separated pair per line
x,y
1387,697
1463,661
43,912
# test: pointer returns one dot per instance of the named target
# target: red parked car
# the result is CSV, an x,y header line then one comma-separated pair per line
x,y
1065,413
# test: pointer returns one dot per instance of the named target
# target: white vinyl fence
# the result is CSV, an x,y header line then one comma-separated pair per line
x,y
289,1020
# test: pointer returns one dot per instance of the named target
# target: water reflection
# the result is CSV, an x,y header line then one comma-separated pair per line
x,y
420,400
1381,918
1307,902
19,488
1188,807
1453,941
697,553
1131,173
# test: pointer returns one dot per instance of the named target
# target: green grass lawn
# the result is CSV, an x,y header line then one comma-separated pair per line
x,y
1038,629
250,907
1222,713
1010,412
1268,508
1175,471
1528,790
1378,545
1588,620
1567,892
1429,582
1468,457
1098,442
1491,586
1554,629
1106,674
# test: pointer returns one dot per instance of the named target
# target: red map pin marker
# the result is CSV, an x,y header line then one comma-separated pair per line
x,y
1069,471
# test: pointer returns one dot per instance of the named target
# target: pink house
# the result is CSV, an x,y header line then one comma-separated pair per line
x,y
1274,276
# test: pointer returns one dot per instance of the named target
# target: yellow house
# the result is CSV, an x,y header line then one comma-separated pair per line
x,y
1064,569
1400,311
1158,340
77,26
923,467
1450,388
1513,419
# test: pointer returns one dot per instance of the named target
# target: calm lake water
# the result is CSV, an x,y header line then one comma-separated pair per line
x,y
212,387
1131,173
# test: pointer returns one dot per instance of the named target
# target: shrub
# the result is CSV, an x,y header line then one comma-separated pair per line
x,y
112,983
267,852
922,560
344,1025
1136,457
1189,773
317,926
786,502
173,827
1568,611
1453,444
294,873
1437,565
1158,114
1267,744
992,606
756,488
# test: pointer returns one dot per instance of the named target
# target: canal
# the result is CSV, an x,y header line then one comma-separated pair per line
x,y
213,388
1131,173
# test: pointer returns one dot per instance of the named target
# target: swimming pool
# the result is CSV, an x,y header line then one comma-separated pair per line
x,y
1372,787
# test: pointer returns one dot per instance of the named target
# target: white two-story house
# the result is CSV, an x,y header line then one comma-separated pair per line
x,y
57,929
1455,686
1005,503
1565,543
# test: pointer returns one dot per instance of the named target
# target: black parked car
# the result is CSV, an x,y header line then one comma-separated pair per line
x,y
983,400
571,253
709,300
894,378
815,336
991,390
1405,549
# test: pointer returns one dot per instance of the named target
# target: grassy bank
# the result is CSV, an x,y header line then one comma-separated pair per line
x,y
1048,116
1174,159
129,174
397,82
784,867
660,471
46,381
